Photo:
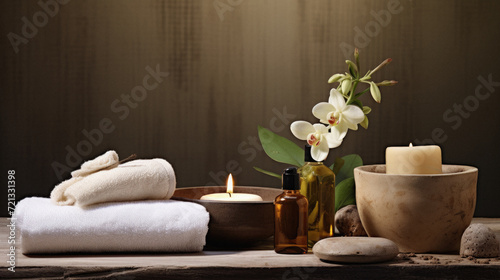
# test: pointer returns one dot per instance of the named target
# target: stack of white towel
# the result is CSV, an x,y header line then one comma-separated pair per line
x,y
112,207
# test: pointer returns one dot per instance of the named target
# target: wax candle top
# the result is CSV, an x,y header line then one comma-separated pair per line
x,y
229,195
413,160
232,197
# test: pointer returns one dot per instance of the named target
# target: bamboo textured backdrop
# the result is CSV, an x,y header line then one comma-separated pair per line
x,y
218,69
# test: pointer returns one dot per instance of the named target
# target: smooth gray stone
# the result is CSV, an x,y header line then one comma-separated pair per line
x,y
479,241
355,249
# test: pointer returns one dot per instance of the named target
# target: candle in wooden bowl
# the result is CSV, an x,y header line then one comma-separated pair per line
x,y
235,223
413,160
229,195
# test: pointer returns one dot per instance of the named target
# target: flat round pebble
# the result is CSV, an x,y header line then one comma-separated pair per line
x,y
355,249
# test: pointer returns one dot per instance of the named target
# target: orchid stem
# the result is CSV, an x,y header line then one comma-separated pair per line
x,y
351,95
362,92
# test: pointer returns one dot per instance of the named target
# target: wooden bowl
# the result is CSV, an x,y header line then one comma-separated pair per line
x,y
420,213
235,223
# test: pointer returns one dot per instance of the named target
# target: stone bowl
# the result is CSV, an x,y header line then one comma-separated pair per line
x,y
235,223
420,213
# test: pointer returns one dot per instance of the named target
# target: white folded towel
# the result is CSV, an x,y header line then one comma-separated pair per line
x,y
141,226
103,180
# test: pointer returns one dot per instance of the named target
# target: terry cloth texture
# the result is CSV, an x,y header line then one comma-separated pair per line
x,y
131,181
141,226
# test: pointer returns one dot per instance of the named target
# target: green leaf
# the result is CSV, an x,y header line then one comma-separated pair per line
x,y
345,194
267,172
350,162
280,149
335,167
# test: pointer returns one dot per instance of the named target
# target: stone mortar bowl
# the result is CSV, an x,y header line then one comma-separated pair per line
x,y
235,223
420,213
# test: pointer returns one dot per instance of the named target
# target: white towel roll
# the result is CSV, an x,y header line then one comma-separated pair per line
x,y
107,160
140,226
134,180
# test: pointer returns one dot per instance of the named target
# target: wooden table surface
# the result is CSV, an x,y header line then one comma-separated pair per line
x,y
252,263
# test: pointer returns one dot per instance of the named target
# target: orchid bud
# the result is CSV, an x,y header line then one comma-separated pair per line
x,y
353,69
365,78
384,63
346,86
387,83
335,78
375,91
356,57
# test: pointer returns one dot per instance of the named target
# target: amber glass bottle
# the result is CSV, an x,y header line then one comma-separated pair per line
x,y
290,220
317,184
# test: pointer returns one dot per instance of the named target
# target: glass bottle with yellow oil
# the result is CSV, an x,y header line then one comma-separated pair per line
x,y
317,184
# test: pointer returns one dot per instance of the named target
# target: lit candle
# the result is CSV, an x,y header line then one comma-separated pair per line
x,y
413,160
230,196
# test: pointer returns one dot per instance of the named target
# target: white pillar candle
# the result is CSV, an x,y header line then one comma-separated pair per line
x,y
413,160
230,195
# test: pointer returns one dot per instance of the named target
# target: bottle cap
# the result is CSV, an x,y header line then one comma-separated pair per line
x,y
290,179
307,154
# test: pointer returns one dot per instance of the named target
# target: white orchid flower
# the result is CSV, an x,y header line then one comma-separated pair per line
x,y
317,136
337,114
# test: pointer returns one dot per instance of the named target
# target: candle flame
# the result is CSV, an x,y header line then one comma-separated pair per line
x,y
331,230
230,184
411,145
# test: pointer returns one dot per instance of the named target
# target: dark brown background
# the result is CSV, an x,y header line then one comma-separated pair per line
x,y
229,74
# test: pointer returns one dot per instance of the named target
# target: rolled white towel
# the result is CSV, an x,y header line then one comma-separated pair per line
x,y
107,160
99,181
141,226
